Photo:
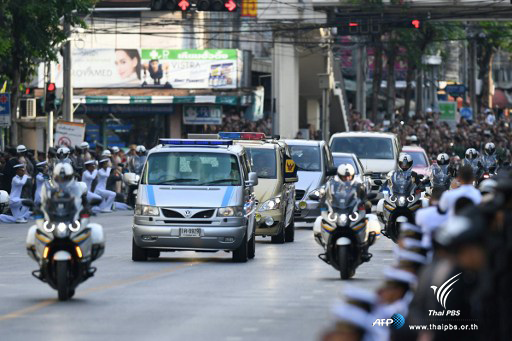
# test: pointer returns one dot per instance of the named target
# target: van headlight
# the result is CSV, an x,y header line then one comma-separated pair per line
x,y
230,211
146,210
271,204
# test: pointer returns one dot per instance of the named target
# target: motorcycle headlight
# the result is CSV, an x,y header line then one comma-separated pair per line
x,y
411,198
74,226
393,198
271,204
401,201
332,217
230,211
342,219
354,216
146,210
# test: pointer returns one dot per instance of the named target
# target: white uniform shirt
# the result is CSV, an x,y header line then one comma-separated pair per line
x,y
88,178
103,175
39,185
17,185
429,219
449,198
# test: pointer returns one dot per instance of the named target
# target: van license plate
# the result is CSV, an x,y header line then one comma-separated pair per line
x,y
190,232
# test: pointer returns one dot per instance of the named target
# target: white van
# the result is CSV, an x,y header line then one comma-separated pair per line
x,y
378,152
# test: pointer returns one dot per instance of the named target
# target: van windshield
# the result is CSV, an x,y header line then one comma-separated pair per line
x,y
364,147
263,162
307,158
192,168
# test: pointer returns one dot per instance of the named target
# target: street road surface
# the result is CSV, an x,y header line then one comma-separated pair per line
x,y
285,293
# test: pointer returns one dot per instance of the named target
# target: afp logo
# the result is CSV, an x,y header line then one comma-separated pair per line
x,y
396,321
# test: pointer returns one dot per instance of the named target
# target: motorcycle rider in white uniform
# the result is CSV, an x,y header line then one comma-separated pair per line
x,y
19,212
101,188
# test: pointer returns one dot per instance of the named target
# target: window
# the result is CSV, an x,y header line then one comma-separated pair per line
x,y
191,168
365,147
263,162
418,159
338,160
307,158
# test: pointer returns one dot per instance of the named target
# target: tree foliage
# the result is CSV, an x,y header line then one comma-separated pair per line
x,y
31,32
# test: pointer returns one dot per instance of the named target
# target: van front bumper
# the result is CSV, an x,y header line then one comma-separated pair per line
x,y
308,214
168,237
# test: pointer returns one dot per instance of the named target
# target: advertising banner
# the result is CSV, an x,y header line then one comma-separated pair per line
x,y
69,133
128,68
190,69
202,114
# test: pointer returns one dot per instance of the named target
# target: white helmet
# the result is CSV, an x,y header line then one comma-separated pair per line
x,y
471,154
21,149
4,201
63,152
63,173
106,153
405,161
443,159
140,149
488,186
346,172
84,145
490,148
115,149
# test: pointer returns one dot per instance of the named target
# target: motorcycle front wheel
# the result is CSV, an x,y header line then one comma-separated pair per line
x,y
63,289
344,262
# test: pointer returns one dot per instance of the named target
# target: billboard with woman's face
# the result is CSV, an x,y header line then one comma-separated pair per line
x,y
125,68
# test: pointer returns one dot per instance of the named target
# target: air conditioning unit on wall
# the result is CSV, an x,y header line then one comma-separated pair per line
x,y
28,109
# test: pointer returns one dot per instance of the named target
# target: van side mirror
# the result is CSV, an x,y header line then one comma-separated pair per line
x,y
253,179
331,171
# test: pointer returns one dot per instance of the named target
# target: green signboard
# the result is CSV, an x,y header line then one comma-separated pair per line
x,y
447,110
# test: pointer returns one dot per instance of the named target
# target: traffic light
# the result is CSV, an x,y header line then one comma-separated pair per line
x,y
28,92
49,100
199,5
414,23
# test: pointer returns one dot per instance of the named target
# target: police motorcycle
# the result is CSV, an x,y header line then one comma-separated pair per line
x,y
402,198
442,173
342,229
472,159
132,177
63,241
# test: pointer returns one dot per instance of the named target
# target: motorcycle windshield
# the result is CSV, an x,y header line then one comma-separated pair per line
x,y
402,183
488,164
61,207
440,175
343,198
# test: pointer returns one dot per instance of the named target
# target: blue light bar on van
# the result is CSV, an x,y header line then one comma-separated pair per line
x,y
242,136
183,142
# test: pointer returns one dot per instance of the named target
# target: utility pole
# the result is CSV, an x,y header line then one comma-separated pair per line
x,y
361,77
49,122
68,85
472,72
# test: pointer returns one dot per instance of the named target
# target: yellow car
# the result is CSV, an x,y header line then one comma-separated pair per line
x,y
275,192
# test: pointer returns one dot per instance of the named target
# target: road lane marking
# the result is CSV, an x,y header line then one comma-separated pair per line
x,y
133,280
27,310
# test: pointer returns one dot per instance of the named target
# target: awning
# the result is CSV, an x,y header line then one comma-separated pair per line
x,y
502,99
226,100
